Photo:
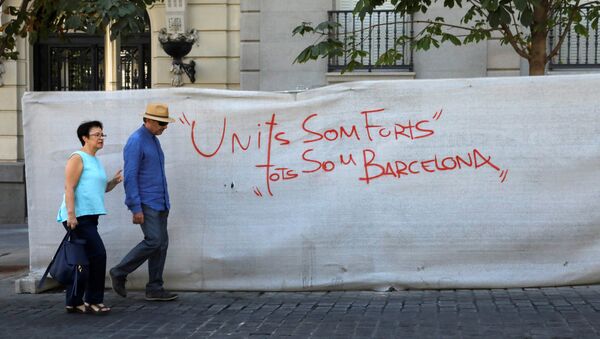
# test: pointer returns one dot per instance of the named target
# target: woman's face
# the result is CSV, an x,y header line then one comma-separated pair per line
x,y
95,138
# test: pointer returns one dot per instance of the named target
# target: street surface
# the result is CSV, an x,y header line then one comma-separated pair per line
x,y
563,312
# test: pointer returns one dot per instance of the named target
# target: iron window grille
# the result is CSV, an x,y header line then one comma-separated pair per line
x,y
576,51
376,34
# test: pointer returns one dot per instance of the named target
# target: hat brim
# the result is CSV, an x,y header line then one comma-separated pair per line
x,y
154,117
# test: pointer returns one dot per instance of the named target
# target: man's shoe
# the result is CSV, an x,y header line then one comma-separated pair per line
x,y
118,283
161,295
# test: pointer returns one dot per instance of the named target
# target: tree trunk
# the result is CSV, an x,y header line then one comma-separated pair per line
x,y
539,39
537,59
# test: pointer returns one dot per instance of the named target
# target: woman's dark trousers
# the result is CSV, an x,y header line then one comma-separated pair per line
x,y
93,290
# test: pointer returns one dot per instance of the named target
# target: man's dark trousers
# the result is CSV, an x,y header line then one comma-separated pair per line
x,y
153,248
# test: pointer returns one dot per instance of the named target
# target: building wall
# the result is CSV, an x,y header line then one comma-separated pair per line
x,y
502,60
15,81
12,168
486,58
217,52
268,49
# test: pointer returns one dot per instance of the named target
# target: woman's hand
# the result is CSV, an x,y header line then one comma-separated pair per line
x,y
117,178
72,221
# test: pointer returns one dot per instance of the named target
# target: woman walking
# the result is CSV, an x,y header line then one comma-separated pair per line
x,y
83,203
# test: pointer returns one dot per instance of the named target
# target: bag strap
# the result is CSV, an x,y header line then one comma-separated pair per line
x,y
53,259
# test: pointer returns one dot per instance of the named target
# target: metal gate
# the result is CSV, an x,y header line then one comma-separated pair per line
x,y
73,65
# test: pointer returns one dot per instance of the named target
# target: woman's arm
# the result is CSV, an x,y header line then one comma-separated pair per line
x,y
114,181
73,172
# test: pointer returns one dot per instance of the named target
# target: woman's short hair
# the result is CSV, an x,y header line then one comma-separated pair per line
x,y
84,129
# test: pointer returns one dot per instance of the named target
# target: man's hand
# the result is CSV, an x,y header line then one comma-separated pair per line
x,y
138,218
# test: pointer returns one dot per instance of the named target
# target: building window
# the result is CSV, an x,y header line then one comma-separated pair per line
x,y
375,34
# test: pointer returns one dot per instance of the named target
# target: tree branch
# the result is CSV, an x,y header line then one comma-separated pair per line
x,y
590,3
512,14
477,6
513,42
428,22
24,5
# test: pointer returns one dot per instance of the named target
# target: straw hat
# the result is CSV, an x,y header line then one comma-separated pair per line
x,y
158,112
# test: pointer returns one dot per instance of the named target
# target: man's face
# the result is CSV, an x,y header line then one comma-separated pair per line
x,y
156,127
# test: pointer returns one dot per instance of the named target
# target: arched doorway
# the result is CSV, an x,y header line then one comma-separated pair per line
x,y
77,63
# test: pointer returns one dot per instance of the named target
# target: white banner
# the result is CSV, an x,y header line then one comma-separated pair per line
x,y
471,183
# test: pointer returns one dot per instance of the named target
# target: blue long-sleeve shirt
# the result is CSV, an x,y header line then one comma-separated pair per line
x,y
144,172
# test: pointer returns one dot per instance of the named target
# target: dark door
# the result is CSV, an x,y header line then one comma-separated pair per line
x,y
73,65
135,61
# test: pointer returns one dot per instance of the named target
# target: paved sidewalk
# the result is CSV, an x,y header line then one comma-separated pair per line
x,y
565,312
14,250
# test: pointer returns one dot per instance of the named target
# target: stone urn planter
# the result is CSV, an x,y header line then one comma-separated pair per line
x,y
177,46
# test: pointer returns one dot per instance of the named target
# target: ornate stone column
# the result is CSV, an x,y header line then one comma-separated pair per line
x,y
112,62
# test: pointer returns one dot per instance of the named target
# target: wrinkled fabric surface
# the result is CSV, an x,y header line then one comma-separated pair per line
x,y
464,183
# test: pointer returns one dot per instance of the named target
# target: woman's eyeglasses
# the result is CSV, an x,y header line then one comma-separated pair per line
x,y
98,135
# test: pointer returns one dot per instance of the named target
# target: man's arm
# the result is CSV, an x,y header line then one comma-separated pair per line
x,y
132,157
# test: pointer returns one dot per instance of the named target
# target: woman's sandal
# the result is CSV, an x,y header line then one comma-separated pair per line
x,y
81,309
97,309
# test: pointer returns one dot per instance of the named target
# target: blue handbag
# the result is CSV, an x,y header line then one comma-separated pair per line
x,y
70,264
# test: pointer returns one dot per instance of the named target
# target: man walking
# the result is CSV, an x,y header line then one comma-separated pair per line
x,y
147,198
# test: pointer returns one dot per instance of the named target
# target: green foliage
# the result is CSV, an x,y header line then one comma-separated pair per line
x,y
304,28
39,19
327,48
389,57
519,23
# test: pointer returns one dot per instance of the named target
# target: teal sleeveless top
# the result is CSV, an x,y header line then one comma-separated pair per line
x,y
89,192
